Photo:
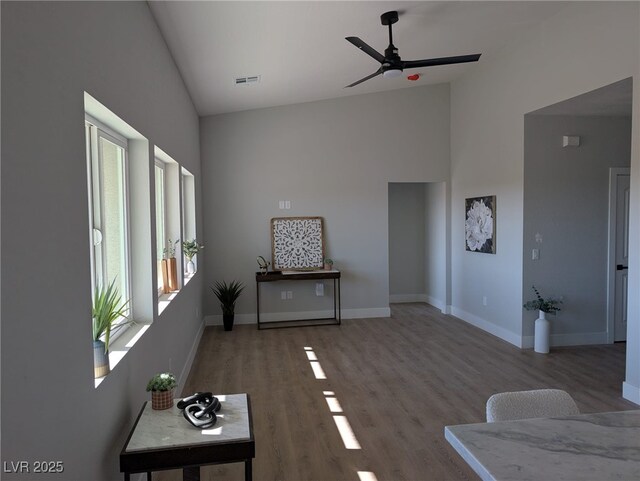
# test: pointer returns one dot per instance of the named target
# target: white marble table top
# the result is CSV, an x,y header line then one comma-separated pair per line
x,y
169,428
585,447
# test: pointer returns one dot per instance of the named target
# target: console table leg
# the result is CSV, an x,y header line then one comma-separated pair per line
x,y
191,473
149,478
248,474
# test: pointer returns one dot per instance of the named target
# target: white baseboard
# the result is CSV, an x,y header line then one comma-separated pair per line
x,y
192,354
631,392
216,320
487,326
402,298
577,339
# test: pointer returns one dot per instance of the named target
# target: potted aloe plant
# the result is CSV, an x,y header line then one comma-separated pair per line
x,y
190,249
161,386
227,294
108,307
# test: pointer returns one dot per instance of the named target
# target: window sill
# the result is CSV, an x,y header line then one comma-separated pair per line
x,y
121,346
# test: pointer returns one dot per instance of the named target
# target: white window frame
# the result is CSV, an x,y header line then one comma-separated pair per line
x,y
95,130
160,255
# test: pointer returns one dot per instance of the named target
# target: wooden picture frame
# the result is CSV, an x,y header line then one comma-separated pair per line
x,y
297,243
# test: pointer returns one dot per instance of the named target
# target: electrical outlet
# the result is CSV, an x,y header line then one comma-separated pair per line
x,y
289,294
319,289
283,295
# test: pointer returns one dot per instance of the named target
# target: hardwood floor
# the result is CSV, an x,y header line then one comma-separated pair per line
x,y
398,381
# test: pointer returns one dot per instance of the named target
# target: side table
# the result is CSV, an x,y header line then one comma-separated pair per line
x,y
161,440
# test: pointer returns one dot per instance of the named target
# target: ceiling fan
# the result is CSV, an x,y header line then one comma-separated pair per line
x,y
391,65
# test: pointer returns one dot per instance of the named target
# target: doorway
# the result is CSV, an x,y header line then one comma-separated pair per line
x,y
418,239
619,195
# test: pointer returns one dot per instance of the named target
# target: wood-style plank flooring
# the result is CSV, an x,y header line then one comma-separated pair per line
x,y
398,381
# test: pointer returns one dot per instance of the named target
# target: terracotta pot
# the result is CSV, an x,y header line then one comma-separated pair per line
x,y
161,400
173,274
164,265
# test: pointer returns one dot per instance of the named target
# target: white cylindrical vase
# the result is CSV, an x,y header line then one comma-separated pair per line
x,y
541,343
191,267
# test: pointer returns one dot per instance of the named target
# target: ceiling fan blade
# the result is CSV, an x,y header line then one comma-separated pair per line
x,y
377,72
366,48
440,61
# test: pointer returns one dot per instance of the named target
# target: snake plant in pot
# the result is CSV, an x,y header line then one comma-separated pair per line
x,y
108,308
227,294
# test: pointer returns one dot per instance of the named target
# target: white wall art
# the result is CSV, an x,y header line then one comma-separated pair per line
x,y
297,243
480,224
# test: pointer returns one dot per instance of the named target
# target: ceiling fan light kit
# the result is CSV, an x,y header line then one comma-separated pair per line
x,y
391,65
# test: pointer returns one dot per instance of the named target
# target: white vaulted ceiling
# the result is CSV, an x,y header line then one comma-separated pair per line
x,y
300,52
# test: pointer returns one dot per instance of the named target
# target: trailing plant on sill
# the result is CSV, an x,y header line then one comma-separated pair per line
x,y
191,248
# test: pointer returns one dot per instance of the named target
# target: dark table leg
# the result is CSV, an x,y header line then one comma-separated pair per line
x,y
191,473
248,473
149,478
258,303
127,477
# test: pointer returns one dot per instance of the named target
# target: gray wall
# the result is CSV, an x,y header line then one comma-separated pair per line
x,y
549,63
436,273
552,62
406,241
566,200
332,158
52,53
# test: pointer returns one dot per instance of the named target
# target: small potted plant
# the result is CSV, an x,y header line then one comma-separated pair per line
x,y
161,386
108,307
169,269
190,249
227,294
544,306
328,264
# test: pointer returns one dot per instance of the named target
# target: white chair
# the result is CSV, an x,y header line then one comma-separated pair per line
x,y
540,403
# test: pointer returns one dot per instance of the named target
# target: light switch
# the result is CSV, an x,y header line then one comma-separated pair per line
x,y
287,204
319,289
281,204
535,254
289,294
283,295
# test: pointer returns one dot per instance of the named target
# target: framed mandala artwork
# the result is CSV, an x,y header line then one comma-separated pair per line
x,y
297,243
480,224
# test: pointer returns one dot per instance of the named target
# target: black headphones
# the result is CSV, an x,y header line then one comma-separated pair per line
x,y
200,409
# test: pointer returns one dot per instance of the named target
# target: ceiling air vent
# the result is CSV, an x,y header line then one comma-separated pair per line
x,y
254,79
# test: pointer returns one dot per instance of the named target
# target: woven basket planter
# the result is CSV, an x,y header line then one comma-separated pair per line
x,y
161,400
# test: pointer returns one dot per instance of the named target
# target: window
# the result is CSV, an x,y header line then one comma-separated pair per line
x,y
161,219
189,215
109,208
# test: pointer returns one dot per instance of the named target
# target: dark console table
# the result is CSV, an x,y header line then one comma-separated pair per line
x,y
301,276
